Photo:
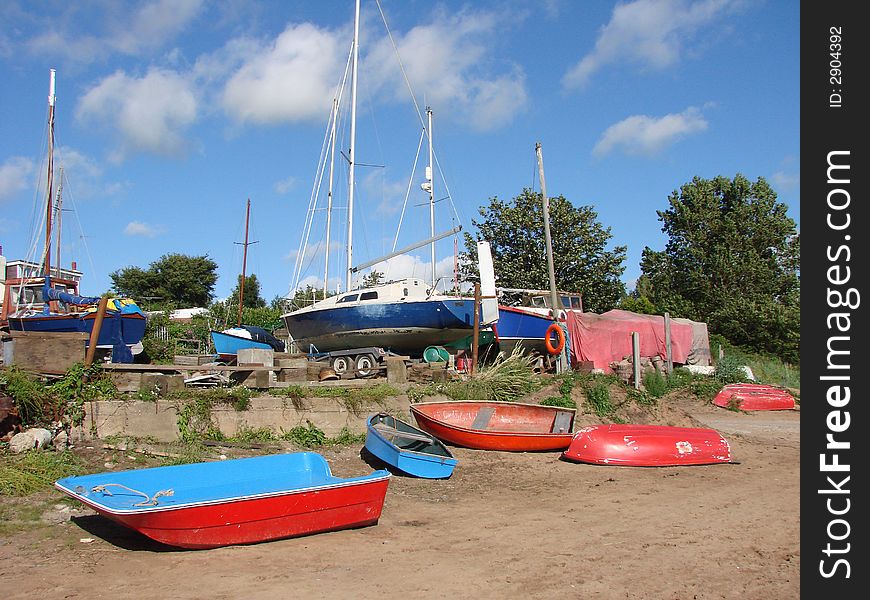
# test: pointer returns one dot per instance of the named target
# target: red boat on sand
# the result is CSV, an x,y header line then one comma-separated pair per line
x,y
240,501
508,426
754,396
647,446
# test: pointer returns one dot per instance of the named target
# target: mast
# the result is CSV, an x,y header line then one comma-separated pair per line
x,y
431,189
554,299
329,194
58,213
244,264
350,156
50,174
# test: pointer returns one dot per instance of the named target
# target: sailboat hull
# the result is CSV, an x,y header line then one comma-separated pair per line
x,y
404,327
127,328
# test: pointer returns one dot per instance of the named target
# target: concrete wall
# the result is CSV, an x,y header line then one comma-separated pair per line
x,y
158,419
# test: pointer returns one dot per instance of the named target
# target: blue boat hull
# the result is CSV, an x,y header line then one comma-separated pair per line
x,y
416,457
229,345
126,328
404,327
517,327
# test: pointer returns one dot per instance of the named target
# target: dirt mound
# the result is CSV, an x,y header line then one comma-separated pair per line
x,y
674,409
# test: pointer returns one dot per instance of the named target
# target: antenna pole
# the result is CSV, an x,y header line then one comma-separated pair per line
x,y
244,264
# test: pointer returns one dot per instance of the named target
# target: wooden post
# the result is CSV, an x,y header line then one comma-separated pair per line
x,y
670,354
95,332
475,342
635,358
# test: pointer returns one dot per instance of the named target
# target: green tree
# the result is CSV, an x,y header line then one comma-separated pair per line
x,y
732,260
251,298
373,279
306,297
175,279
582,263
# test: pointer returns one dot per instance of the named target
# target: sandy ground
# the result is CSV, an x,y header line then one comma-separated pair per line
x,y
505,525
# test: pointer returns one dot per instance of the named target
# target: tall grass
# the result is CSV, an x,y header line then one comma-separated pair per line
x,y
767,369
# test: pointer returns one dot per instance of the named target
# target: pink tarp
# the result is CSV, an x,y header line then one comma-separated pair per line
x,y
606,338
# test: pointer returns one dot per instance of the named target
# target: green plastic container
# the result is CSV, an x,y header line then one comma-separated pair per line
x,y
433,354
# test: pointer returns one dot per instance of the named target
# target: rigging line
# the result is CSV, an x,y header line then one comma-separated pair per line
x,y
401,65
312,202
408,191
303,242
446,188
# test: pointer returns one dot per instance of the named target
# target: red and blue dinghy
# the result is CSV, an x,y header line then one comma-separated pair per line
x,y
508,426
754,396
408,449
239,501
648,446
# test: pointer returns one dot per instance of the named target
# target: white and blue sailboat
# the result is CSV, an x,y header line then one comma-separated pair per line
x,y
404,316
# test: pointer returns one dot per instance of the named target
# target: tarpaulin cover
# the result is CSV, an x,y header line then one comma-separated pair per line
x,y
606,338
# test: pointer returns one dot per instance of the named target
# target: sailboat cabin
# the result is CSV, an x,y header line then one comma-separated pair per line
x,y
22,284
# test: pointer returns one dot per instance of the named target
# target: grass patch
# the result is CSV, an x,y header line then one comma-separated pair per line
x,y
766,368
30,472
305,436
508,379
598,398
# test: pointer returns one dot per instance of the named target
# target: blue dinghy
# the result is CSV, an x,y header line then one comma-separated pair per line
x,y
239,501
407,448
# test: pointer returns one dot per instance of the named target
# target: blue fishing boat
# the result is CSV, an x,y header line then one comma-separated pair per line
x,y
519,327
228,342
44,299
407,448
229,502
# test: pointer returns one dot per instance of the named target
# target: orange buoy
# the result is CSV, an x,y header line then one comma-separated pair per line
x,y
560,337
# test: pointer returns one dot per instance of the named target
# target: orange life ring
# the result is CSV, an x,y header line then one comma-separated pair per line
x,y
560,335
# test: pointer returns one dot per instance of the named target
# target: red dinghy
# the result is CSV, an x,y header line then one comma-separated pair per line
x,y
508,426
753,396
648,446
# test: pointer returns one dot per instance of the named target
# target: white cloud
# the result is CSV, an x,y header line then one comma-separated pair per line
x,y
451,63
137,228
149,113
652,34
643,135
786,182
285,185
135,32
14,176
291,80
406,265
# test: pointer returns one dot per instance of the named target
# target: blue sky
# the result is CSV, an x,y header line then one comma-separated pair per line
x,y
172,113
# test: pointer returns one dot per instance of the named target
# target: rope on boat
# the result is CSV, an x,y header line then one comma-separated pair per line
x,y
149,500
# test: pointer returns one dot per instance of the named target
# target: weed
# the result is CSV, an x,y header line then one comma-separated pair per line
x,y
559,401
346,437
655,384
729,369
253,434
598,397
640,397
61,401
306,436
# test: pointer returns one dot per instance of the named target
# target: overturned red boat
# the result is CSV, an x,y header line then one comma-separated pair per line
x,y
754,396
648,446
508,426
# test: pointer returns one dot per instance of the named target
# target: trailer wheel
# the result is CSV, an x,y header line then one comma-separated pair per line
x,y
365,365
341,365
